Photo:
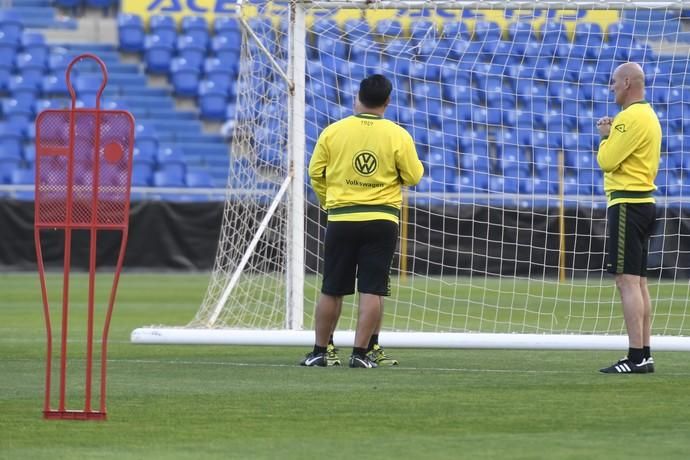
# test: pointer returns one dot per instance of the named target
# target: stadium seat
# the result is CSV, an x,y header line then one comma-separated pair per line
x,y
455,30
168,178
164,27
158,55
388,27
197,28
11,25
356,28
473,182
11,141
191,50
35,44
486,32
142,174
212,100
131,33
325,27
8,49
199,179
23,176
422,29
184,77
225,24
226,49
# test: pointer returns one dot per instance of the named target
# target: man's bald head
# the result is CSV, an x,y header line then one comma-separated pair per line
x,y
627,83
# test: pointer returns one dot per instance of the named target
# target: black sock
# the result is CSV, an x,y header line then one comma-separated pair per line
x,y
374,340
646,352
635,355
359,351
330,340
318,349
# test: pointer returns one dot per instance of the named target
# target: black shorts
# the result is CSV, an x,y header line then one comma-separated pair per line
x,y
362,251
630,226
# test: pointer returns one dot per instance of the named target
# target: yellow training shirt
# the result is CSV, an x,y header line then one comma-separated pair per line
x,y
359,165
629,156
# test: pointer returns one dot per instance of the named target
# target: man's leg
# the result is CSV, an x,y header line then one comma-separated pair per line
x,y
375,351
331,351
633,308
647,324
327,314
369,318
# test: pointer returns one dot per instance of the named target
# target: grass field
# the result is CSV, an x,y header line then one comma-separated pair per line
x,y
241,402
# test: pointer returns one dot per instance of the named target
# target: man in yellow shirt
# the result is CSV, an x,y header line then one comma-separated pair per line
x,y
358,168
629,153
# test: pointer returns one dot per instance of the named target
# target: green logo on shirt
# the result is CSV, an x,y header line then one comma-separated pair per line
x,y
365,163
620,128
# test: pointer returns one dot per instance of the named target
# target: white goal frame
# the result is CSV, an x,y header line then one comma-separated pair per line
x,y
292,188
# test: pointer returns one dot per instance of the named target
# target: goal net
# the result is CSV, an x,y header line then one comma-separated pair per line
x,y
503,242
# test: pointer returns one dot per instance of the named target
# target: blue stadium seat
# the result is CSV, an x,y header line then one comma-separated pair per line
x,y
226,49
131,32
486,31
168,178
620,34
227,26
212,100
356,28
588,33
184,77
475,141
164,27
158,55
29,67
365,51
455,30
505,184
16,113
146,137
473,182
142,175
8,49
11,25
11,140
197,28
553,33
325,27
24,176
422,29
199,179
23,90
191,50
35,45
388,27
512,157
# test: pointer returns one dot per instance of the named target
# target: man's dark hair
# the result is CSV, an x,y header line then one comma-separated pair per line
x,y
374,91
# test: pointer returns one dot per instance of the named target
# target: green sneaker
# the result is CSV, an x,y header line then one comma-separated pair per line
x,y
332,356
379,356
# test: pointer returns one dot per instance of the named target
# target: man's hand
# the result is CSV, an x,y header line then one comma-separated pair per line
x,y
604,126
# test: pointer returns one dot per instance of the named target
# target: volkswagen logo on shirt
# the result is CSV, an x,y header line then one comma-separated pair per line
x,y
365,163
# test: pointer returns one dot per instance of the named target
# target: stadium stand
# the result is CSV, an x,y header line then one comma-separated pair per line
x,y
459,114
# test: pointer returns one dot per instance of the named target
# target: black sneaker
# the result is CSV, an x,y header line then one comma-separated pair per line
x,y
362,361
625,366
315,359
650,364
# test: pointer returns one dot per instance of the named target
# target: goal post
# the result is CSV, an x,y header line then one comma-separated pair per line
x,y
503,244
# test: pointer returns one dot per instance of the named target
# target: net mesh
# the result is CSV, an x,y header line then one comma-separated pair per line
x,y
506,231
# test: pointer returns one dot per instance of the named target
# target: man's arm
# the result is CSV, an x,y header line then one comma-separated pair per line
x,y
317,170
410,168
618,141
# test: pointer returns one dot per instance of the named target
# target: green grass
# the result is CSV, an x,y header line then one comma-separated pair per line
x,y
254,402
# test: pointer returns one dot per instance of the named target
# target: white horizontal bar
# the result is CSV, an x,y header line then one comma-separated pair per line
x,y
188,336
